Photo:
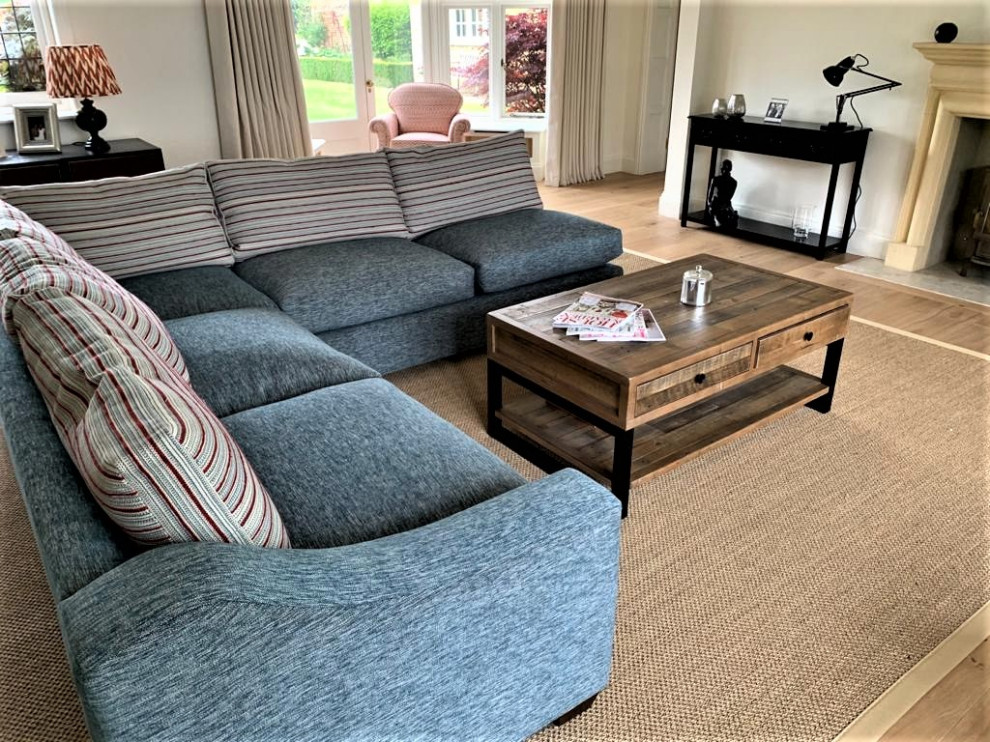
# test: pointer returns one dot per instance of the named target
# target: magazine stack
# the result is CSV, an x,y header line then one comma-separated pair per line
x,y
609,320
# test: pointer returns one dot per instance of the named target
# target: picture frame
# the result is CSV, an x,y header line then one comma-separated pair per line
x,y
775,110
36,128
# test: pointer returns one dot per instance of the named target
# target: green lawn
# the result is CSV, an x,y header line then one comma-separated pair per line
x,y
328,101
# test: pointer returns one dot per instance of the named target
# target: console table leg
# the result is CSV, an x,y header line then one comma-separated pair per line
x,y
830,373
851,207
622,468
686,196
494,399
833,180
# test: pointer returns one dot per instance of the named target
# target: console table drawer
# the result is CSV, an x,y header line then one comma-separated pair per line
x,y
787,344
692,379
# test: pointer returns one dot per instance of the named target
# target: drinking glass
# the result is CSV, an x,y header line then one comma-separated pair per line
x,y
804,218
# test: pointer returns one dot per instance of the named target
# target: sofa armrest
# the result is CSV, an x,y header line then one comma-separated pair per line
x,y
459,126
386,127
487,624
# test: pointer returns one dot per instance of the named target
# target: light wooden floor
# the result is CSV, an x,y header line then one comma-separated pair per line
x,y
630,203
957,709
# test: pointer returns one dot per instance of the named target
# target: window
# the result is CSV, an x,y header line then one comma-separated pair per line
x,y
469,24
513,35
21,67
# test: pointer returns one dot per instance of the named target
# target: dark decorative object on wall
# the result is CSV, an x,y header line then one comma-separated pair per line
x,y
946,32
82,71
835,73
720,192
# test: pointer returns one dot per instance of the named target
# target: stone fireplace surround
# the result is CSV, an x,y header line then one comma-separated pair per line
x,y
959,88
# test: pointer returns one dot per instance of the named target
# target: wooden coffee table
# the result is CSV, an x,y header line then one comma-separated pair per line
x,y
624,412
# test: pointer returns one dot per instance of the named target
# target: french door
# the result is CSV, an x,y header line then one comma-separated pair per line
x,y
333,43
352,53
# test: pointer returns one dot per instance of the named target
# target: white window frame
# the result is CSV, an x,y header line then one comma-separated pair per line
x,y
47,32
437,39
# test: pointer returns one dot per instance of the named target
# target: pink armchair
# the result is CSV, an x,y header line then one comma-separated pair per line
x,y
422,113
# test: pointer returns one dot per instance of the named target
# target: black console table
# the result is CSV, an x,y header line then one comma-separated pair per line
x,y
75,162
794,140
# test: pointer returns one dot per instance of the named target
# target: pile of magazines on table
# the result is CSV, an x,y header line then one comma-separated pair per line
x,y
605,319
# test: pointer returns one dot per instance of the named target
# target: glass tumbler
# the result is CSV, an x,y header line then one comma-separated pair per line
x,y
804,219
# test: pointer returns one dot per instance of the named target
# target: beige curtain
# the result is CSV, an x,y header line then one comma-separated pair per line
x,y
261,109
577,55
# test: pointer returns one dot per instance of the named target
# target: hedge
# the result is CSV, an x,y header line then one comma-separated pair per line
x,y
329,69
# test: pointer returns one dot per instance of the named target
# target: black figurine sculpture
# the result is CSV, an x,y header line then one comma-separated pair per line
x,y
720,192
945,33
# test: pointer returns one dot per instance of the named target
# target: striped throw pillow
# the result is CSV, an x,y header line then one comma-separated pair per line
x,y
270,205
108,295
127,226
438,186
69,343
164,469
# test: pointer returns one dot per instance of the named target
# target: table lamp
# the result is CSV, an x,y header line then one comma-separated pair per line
x,y
82,71
835,74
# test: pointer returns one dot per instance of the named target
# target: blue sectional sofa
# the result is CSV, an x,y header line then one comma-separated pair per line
x,y
431,593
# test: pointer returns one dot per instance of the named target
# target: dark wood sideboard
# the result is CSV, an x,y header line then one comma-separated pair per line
x,y
793,140
75,162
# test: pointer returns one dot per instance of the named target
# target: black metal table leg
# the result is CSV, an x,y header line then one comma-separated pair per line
x,y
688,166
494,399
830,373
622,467
833,180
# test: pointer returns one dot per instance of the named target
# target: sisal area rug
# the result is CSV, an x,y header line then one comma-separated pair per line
x,y
770,589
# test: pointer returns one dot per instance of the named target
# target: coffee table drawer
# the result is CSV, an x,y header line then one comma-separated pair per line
x,y
692,379
787,344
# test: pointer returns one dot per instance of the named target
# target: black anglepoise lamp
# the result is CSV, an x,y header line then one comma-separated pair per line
x,y
82,71
834,76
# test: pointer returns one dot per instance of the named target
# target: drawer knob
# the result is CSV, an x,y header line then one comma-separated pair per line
x,y
699,379
808,336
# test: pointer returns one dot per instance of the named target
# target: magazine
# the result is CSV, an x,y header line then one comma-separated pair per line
x,y
596,311
643,329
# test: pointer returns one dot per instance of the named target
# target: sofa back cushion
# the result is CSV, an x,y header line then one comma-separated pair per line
x,y
126,226
438,186
156,459
165,469
270,205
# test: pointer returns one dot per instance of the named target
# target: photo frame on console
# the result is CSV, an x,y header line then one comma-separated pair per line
x,y
36,128
775,111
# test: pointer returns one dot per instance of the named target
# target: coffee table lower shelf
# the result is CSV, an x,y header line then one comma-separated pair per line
x,y
666,442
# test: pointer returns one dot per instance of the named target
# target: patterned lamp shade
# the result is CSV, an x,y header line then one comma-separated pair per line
x,y
79,72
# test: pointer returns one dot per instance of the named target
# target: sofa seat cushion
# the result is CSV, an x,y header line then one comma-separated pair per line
x,y
126,226
357,461
165,469
438,186
521,247
245,358
191,291
324,287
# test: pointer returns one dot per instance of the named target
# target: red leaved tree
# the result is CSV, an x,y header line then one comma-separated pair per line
x,y
525,64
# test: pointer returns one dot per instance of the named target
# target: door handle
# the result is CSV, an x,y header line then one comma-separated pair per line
x,y
369,85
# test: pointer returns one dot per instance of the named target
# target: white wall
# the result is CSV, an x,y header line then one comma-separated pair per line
x,y
636,82
159,53
778,49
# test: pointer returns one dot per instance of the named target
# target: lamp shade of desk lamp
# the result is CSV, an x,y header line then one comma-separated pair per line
x,y
82,71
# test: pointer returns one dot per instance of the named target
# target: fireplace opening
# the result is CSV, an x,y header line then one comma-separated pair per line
x,y
961,231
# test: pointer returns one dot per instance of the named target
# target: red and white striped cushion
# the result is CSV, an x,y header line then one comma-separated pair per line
x,y
127,226
164,468
111,297
153,454
68,343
